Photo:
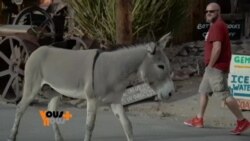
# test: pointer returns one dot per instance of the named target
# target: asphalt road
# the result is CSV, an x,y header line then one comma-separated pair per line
x,y
107,128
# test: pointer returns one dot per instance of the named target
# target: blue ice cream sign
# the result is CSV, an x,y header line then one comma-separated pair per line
x,y
239,76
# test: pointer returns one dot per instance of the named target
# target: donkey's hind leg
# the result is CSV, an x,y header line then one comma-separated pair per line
x,y
90,119
53,106
126,124
29,93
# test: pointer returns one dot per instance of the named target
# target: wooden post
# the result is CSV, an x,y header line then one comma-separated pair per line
x,y
1,16
196,17
247,25
123,21
234,4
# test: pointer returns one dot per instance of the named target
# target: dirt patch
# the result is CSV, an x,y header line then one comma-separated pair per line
x,y
185,104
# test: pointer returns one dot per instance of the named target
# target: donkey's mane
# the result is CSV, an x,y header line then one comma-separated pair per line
x,y
119,47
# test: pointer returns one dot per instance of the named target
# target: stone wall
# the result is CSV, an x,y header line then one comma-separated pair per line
x,y
187,59
241,47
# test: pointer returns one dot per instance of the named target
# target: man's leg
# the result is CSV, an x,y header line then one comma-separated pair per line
x,y
219,86
242,123
234,107
204,89
203,105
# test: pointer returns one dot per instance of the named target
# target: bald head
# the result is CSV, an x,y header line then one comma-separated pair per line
x,y
212,12
213,6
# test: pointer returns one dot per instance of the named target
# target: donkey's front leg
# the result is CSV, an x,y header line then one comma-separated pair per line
x,y
126,124
90,120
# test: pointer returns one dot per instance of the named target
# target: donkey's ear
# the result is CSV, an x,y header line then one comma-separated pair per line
x,y
151,48
164,40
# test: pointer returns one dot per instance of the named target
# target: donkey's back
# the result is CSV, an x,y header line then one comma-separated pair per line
x,y
66,71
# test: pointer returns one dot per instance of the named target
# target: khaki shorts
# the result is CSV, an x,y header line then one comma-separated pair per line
x,y
214,81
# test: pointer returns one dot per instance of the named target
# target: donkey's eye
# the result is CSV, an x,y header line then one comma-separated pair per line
x,y
161,67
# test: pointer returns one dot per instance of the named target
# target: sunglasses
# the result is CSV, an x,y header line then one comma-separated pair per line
x,y
210,11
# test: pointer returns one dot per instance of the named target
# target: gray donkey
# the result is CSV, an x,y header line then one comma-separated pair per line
x,y
98,77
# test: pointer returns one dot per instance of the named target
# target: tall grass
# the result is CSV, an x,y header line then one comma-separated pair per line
x,y
151,18
156,17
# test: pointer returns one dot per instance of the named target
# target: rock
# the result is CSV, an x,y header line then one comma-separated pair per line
x,y
246,44
179,75
199,44
163,114
189,45
241,46
189,70
237,42
194,51
173,51
176,66
243,52
186,59
183,52
236,48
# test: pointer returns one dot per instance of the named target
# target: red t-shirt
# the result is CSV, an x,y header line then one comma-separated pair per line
x,y
218,32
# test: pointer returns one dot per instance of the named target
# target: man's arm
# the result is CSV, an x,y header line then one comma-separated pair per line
x,y
216,50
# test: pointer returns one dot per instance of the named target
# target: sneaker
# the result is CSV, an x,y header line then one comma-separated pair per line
x,y
195,122
241,126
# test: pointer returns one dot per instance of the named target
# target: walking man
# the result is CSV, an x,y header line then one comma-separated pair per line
x,y
217,60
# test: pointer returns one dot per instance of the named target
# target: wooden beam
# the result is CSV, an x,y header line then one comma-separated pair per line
x,y
124,21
